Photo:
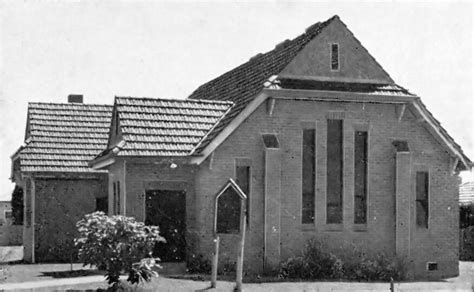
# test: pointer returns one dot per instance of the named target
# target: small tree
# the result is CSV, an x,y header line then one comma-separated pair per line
x,y
118,244
17,205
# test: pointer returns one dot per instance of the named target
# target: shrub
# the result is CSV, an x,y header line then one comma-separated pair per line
x,y
466,244
17,205
118,244
228,268
314,263
379,268
197,264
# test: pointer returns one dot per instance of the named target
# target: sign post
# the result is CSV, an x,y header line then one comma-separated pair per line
x,y
215,260
240,254
228,220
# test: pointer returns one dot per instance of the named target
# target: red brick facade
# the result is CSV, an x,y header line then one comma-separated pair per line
x,y
57,204
438,243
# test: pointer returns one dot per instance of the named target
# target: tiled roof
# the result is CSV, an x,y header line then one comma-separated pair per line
x,y
241,84
64,137
166,127
466,193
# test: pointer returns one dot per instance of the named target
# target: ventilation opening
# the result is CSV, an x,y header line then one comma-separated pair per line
x,y
335,57
400,146
432,266
270,141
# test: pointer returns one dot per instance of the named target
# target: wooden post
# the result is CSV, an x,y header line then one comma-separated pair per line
x,y
215,260
240,254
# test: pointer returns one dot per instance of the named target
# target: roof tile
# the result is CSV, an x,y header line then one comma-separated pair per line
x,y
241,84
166,127
64,137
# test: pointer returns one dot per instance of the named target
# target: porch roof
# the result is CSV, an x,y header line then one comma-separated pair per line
x,y
164,127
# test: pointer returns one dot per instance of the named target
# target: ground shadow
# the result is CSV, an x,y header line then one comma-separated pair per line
x,y
71,274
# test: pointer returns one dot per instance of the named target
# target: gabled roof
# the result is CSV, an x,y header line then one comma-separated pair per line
x,y
164,127
243,83
63,137
246,85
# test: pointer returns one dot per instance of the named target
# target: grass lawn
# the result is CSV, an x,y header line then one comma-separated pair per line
x,y
185,282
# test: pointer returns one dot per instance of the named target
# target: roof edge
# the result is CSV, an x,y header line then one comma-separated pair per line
x,y
443,134
211,129
367,51
230,128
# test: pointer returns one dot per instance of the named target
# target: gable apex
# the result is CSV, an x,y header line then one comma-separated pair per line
x,y
335,54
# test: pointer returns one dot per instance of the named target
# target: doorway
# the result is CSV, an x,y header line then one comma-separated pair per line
x,y
167,209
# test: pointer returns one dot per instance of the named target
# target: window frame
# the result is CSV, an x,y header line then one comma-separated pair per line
x,y
342,166
428,197
367,157
5,214
118,198
245,162
304,127
114,209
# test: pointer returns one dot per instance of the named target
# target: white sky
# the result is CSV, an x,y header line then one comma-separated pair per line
x,y
162,49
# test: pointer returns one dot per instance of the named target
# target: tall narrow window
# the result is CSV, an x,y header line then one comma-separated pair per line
x,y
243,181
118,197
114,202
308,180
422,189
360,177
335,57
334,172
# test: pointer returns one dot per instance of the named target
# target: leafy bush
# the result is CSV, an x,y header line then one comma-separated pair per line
x,y
197,264
466,244
314,263
228,268
17,205
379,268
118,244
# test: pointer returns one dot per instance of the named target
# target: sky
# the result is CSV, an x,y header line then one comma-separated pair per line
x,y
167,49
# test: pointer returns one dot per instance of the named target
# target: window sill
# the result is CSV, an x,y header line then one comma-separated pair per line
x,y
333,227
359,227
308,227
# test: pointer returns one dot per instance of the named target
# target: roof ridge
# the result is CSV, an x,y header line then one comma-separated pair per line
x,y
312,31
176,99
68,103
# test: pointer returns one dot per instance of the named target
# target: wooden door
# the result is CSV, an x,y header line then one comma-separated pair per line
x,y
167,209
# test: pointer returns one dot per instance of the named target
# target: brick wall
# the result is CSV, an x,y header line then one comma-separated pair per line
x,y
11,235
438,243
138,175
59,204
355,62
